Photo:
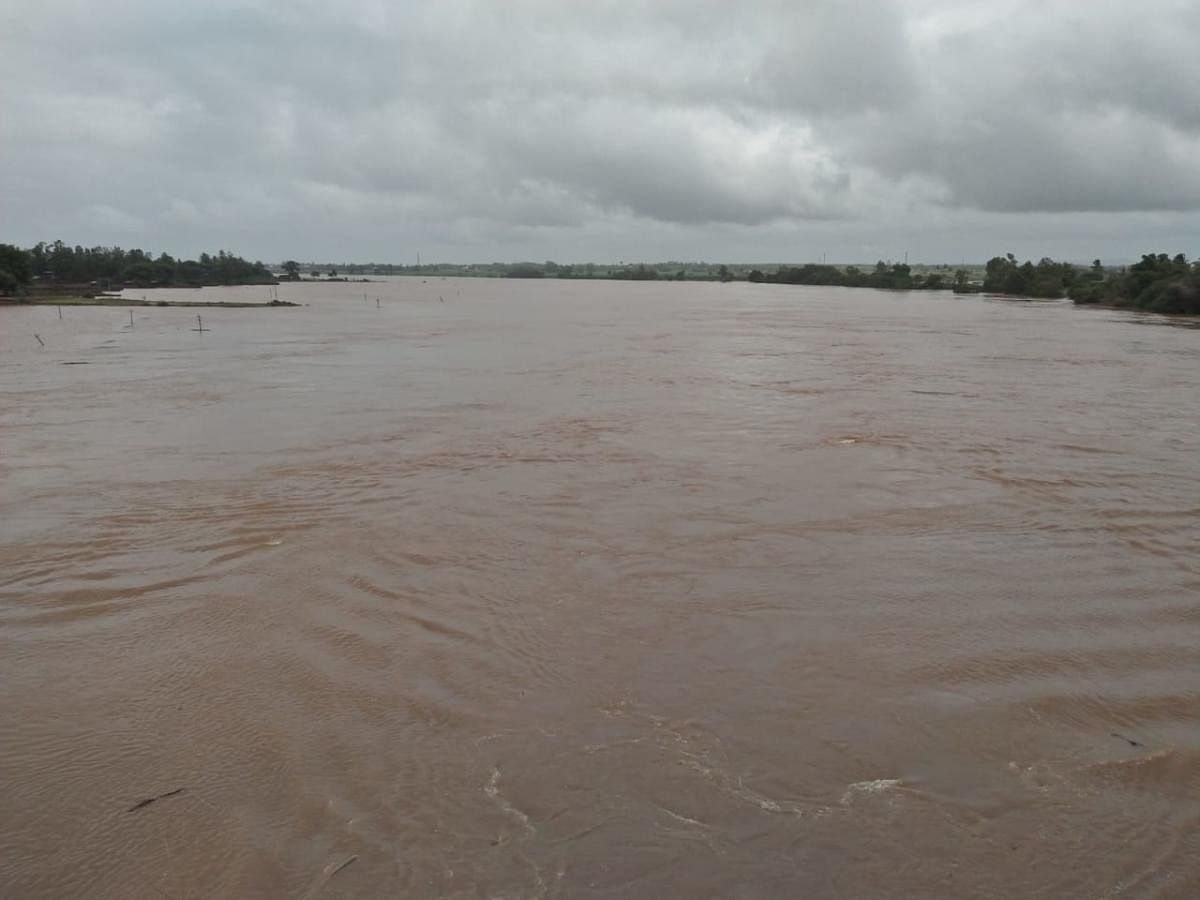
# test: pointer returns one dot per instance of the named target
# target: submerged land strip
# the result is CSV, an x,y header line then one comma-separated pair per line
x,y
50,299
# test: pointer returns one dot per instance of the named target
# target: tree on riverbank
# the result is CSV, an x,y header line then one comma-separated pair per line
x,y
15,269
897,276
113,267
640,272
1046,279
1157,283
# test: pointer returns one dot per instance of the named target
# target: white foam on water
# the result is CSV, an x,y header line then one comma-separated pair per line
x,y
878,786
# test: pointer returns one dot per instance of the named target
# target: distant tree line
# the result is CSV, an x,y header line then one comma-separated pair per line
x,y
525,270
640,272
112,267
643,272
893,277
660,271
1159,283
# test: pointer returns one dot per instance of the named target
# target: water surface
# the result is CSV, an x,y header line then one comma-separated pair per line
x,y
551,589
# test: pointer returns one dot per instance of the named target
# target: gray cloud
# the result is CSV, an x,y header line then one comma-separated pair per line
x,y
769,130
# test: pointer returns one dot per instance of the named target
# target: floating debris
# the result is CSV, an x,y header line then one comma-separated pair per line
x,y
328,872
144,803
1130,741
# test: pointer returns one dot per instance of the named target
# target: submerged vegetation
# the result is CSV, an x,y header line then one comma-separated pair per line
x,y
1157,283
1047,278
59,267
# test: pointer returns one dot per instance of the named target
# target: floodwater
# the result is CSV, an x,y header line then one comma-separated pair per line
x,y
599,590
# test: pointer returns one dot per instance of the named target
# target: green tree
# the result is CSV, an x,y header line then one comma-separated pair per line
x,y
17,267
292,268
525,270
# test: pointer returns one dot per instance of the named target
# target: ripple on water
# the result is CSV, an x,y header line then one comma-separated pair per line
x,y
597,589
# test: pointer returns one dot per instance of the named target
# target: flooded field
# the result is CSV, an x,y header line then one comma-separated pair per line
x,y
482,589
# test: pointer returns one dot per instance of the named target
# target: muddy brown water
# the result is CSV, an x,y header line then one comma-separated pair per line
x,y
599,590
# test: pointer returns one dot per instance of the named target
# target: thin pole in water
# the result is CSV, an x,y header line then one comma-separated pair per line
x,y
377,303
40,341
131,320
60,312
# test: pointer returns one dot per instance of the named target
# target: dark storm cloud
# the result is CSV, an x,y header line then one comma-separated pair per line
x,y
365,128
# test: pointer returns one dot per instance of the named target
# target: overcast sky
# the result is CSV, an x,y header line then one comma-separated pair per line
x,y
763,130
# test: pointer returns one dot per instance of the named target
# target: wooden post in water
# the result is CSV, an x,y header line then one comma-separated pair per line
x,y
131,320
60,312
40,341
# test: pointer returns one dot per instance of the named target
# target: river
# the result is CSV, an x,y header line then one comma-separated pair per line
x,y
487,588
